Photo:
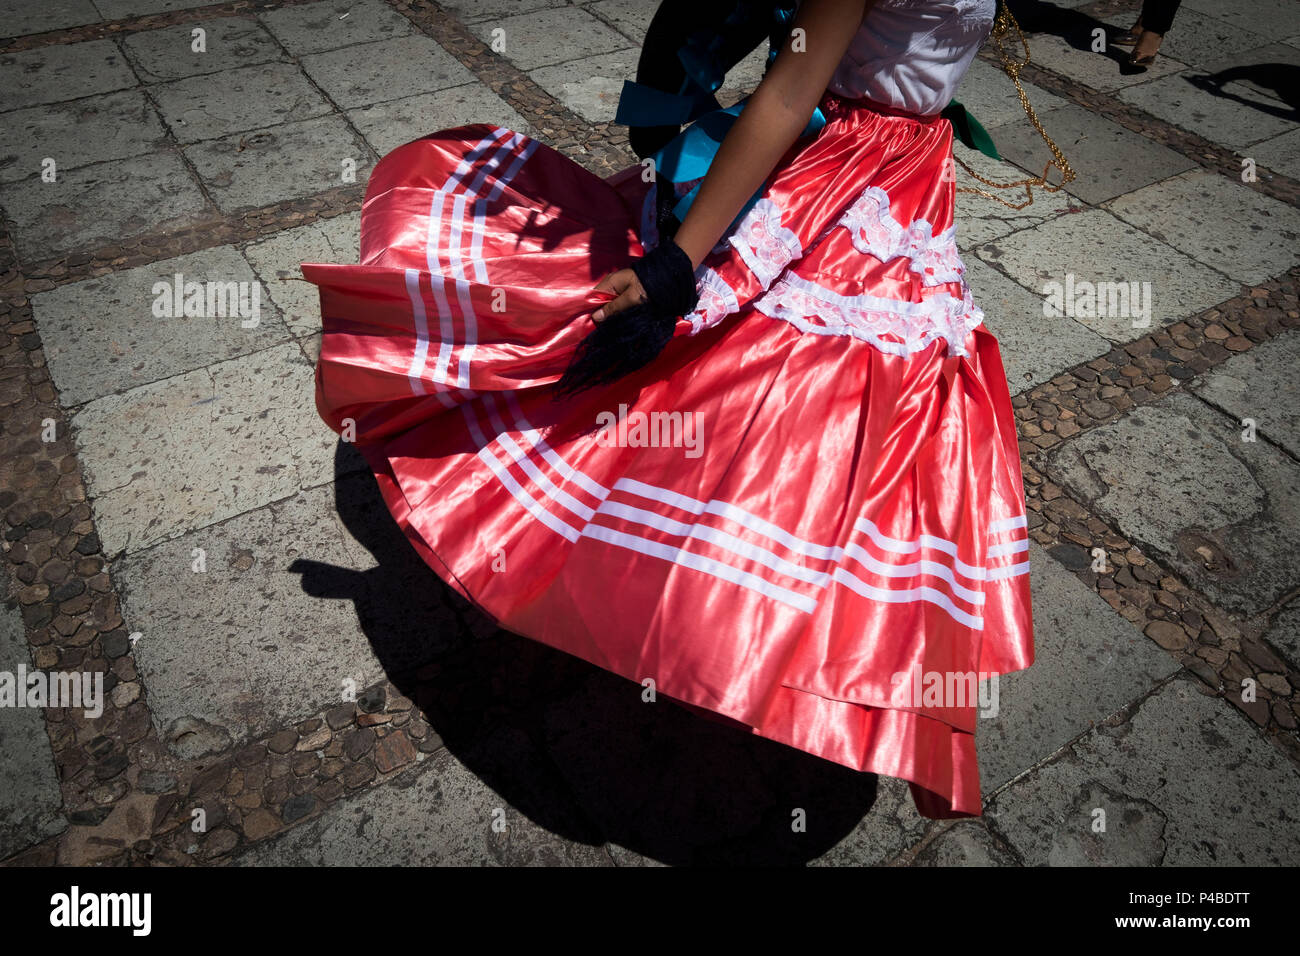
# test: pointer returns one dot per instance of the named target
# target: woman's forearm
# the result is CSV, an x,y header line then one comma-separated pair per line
x,y
771,121
760,136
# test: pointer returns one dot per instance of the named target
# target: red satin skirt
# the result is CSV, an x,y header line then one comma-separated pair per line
x,y
805,516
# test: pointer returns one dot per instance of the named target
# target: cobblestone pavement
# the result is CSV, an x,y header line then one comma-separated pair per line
x,y
177,519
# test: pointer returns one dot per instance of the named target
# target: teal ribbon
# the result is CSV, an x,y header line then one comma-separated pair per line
x,y
705,60
641,105
689,156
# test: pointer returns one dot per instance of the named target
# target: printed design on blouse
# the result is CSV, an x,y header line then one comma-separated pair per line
x,y
717,301
891,325
764,243
875,231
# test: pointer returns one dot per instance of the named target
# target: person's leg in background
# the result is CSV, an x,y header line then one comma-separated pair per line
x,y
1158,15
1146,35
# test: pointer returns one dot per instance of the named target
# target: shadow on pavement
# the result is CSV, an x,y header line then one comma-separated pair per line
x,y
1278,80
569,745
1073,26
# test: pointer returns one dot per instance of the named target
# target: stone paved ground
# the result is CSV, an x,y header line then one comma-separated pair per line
x,y
177,520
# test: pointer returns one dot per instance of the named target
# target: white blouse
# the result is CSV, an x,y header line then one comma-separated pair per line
x,y
911,54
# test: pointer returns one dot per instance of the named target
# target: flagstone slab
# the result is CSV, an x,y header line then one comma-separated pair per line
x,y
1260,385
278,260
1089,663
744,76
229,42
202,446
1281,17
1285,633
590,87
1237,117
885,831
310,345
315,27
436,814
31,802
1035,347
1108,159
1176,477
101,335
629,17
290,161
965,843
102,203
472,11
622,856
1200,39
1185,781
250,97
1280,154
1095,246
1074,58
50,74
120,9
385,70
92,130
546,37
1269,71
989,95
298,601
387,126
1220,221
23,17
980,219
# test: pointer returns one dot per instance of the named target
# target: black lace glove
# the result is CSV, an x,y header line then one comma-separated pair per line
x,y
634,337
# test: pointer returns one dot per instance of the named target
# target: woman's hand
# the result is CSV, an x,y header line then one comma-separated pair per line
x,y
626,286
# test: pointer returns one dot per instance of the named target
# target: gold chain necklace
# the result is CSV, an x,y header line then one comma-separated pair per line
x,y
1003,24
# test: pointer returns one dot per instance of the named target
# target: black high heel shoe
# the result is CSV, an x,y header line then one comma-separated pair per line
x,y
1133,63
1129,37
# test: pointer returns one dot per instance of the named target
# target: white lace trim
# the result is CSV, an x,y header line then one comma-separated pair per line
x,y
876,232
764,243
899,328
717,301
891,325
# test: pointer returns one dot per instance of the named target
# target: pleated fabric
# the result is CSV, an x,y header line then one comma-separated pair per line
x,y
806,516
